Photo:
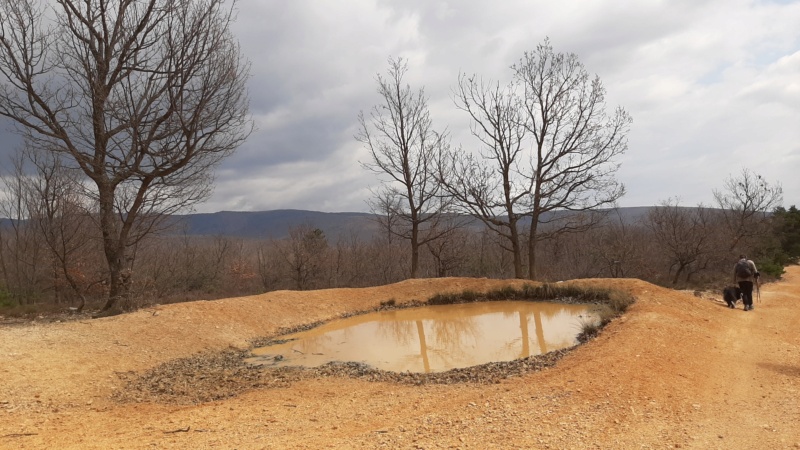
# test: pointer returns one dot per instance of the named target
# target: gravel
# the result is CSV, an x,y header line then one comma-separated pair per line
x,y
214,376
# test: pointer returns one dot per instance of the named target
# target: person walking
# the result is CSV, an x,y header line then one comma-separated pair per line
x,y
745,274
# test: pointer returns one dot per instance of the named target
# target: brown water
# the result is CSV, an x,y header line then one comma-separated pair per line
x,y
434,338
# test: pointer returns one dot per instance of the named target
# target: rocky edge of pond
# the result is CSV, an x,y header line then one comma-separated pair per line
x,y
214,376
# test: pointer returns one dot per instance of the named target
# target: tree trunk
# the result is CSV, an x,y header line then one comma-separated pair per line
x,y
678,274
515,248
532,249
114,247
414,249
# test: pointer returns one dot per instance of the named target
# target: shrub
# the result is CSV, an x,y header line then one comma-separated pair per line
x,y
619,301
504,293
5,299
446,299
771,268
589,330
470,295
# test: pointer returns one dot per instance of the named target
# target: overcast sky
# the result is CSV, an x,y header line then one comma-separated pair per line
x,y
713,86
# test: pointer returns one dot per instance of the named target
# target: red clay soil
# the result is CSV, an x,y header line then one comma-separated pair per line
x,y
675,371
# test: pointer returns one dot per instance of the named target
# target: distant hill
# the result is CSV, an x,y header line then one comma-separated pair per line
x,y
266,224
631,214
275,224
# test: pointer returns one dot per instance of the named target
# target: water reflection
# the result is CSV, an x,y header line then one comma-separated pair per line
x,y
434,338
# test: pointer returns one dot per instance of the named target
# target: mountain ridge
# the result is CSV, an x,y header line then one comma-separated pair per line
x,y
274,224
277,223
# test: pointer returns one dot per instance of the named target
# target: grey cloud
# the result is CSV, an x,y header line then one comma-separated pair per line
x,y
706,82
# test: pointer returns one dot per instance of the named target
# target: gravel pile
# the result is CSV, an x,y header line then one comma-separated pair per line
x,y
214,376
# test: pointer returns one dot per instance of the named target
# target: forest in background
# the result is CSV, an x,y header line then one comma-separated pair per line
x,y
57,263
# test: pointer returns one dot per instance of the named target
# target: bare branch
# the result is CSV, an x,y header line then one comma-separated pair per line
x,y
746,202
572,166
144,97
404,147
493,187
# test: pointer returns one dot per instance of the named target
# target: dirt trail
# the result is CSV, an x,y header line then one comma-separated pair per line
x,y
676,371
750,394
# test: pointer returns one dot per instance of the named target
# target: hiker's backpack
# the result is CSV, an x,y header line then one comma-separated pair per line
x,y
743,269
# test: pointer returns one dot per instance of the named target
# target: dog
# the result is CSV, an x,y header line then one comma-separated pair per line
x,y
731,295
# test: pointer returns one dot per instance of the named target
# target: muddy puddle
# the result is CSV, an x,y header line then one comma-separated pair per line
x,y
433,338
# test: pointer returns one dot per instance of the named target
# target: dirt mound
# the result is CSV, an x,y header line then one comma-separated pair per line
x,y
676,371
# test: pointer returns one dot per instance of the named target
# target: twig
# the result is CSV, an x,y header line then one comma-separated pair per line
x,y
179,430
19,435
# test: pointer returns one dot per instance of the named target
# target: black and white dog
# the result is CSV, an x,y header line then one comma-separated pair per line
x,y
731,295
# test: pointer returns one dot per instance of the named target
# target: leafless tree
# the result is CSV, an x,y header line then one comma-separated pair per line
x,y
58,214
22,254
388,262
570,256
449,251
174,267
144,97
304,253
617,244
157,264
386,206
746,202
685,237
404,147
240,275
575,143
269,270
488,257
200,262
349,261
492,186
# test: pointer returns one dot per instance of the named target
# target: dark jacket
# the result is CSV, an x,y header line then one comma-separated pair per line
x,y
751,278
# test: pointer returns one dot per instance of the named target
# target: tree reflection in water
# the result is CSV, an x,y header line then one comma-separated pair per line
x,y
434,338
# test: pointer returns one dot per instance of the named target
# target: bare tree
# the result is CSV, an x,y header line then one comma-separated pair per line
x,y
746,203
269,270
404,147
685,237
489,259
349,261
618,245
575,142
570,256
386,261
144,97
57,212
449,251
492,186
22,254
239,275
305,254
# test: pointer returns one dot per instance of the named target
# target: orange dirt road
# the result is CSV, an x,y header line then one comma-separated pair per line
x,y
676,371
